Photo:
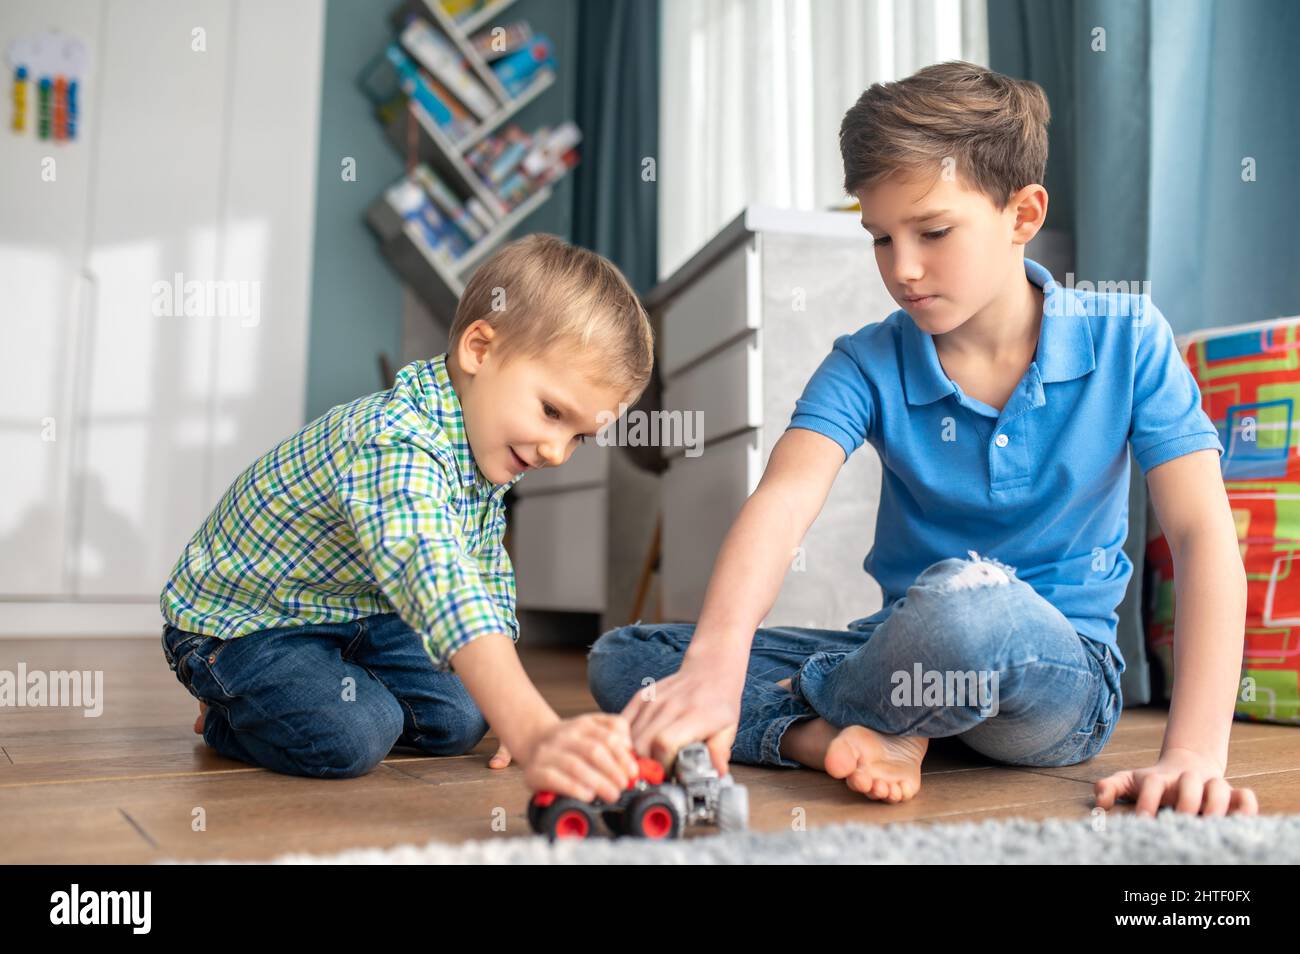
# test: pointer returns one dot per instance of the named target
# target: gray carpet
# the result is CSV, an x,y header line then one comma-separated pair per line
x,y
1169,838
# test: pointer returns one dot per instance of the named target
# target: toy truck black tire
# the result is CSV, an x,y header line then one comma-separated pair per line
x,y
653,815
565,818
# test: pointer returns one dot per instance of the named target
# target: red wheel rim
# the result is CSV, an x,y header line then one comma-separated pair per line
x,y
657,822
572,824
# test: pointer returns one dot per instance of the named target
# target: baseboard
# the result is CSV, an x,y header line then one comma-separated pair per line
x,y
81,619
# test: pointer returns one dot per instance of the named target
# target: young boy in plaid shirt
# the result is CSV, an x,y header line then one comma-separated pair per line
x,y
350,591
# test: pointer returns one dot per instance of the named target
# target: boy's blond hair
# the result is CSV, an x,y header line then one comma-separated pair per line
x,y
540,292
991,128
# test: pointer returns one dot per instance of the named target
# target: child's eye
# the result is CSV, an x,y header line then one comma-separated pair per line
x,y
932,236
550,411
582,438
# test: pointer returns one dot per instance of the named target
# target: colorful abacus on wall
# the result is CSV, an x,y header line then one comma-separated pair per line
x,y
53,64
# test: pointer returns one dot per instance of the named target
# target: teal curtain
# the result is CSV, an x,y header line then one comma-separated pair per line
x,y
1149,137
1224,81
615,210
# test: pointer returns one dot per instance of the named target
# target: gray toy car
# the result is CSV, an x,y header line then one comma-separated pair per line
x,y
651,807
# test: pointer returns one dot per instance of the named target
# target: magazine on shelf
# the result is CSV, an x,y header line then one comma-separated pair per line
x,y
429,96
498,41
480,212
549,145
436,54
449,204
518,70
434,232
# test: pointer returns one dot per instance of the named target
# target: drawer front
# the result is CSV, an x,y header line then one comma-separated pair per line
x,y
720,305
588,465
721,395
702,497
558,550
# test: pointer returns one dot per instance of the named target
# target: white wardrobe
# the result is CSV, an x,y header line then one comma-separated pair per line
x,y
195,161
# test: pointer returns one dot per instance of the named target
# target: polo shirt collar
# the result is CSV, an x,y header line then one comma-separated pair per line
x,y
445,405
1065,348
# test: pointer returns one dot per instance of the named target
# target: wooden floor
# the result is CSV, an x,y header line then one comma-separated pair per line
x,y
129,785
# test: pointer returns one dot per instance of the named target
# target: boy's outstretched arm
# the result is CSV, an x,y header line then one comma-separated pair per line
x,y
1210,595
584,757
400,501
701,701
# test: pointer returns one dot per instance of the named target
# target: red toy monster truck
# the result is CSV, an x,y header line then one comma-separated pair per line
x,y
650,807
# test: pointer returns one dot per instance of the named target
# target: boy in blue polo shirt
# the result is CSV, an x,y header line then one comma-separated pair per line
x,y
1002,407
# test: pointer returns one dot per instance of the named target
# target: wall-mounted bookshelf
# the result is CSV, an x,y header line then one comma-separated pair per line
x,y
447,89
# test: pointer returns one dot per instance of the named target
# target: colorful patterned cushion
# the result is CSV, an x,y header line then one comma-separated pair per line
x,y
1249,378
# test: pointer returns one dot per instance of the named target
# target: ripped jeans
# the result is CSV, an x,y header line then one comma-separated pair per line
x,y
970,651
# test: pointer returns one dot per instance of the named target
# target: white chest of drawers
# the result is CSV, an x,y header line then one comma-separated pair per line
x,y
742,327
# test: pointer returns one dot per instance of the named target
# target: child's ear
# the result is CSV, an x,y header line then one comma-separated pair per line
x,y
1030,207
475,344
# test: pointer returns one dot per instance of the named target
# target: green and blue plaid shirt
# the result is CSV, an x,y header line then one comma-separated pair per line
x,y
375,507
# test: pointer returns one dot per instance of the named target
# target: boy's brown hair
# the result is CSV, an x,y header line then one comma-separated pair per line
x,y
540,292
992,128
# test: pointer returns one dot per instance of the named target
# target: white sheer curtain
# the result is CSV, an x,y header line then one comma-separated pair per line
x,y
752,93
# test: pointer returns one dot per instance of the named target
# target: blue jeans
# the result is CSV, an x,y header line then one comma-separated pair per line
x,y
327,700
1016,682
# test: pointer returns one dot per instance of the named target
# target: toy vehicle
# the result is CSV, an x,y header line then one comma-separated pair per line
x,y
650,807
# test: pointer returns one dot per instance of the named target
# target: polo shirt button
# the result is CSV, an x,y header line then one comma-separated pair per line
x,y
1001,440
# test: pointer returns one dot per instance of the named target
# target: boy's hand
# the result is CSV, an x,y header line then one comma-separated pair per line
x,y
1185,779
697,703
583,757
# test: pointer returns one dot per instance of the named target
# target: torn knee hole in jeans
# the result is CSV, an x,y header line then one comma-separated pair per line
x,y
979,572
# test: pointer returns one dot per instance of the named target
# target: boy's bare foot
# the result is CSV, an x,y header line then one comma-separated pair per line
x,y
884,767
198,723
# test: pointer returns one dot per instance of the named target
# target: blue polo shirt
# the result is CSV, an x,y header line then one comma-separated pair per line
x,y
1041,485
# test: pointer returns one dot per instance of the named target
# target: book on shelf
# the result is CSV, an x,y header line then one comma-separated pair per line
x,y
461,10
429,95
515,165
549,147
448,225
498,41
480,212
503,166
449,204
435,53
464,122
517,70
521,185
433,231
